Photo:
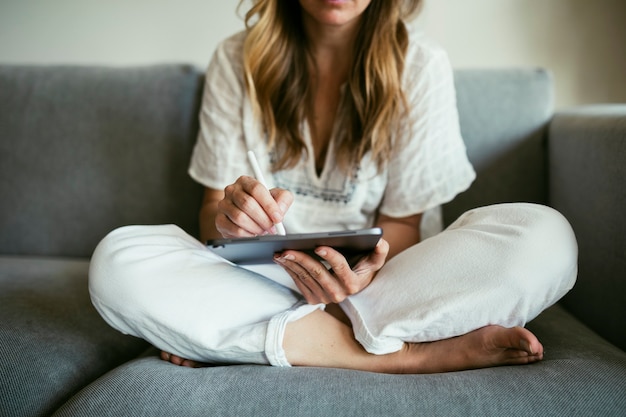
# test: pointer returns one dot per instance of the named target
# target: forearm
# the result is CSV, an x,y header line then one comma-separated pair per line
x,y
207,223
400,233
207,215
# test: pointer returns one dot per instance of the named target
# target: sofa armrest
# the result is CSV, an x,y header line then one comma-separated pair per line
x,y
587,168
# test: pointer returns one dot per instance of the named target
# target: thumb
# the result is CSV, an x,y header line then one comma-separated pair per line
x,y
375,260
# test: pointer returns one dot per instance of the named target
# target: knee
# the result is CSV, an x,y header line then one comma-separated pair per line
x,y
108,265
550,226
549,240
540,251
126,258
533,238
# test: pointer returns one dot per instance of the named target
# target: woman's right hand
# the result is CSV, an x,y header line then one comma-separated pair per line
x,y
250,209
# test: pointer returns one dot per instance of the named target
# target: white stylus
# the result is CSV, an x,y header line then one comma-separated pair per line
x,y
280,229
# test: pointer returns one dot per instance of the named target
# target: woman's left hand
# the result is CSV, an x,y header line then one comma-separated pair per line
x,y
320,285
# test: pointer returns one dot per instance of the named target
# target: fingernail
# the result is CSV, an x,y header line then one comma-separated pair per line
x,y
289,257
277,217
321,252
282,207
279,259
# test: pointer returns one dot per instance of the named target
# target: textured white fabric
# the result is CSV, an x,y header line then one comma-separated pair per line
x,y
495,265
501,264
428,167
160,284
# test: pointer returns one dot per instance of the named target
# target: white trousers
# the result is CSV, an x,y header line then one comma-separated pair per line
x,y
500,264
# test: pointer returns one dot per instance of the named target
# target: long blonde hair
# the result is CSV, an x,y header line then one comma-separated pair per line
x,y
277,79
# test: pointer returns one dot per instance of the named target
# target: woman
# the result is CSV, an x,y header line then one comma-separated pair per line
x,y
354,119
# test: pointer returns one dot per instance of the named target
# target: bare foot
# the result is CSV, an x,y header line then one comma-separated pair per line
x,y
319,339
177,360
485,347
482,348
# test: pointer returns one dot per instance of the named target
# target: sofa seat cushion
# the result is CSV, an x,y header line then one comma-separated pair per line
x,y
53,342
581,375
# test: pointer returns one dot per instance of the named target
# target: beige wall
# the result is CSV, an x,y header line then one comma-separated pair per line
x,y
582,41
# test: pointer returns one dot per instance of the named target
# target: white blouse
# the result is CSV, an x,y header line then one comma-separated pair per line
x,y
428,166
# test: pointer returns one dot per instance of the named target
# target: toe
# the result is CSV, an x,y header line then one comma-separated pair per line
x,y
190,364
518,338
176,360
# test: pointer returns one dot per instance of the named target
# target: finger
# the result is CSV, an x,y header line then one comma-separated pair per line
x,y
246,195
243,209
320,280
306,273
306,292
380,251
284,199
228,229
230,221
335,259
373,261
273,213
345,277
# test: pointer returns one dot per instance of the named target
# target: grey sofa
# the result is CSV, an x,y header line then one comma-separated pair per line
x,y
84,150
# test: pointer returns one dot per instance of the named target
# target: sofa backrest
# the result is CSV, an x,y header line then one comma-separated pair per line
x,y
504,115
84,150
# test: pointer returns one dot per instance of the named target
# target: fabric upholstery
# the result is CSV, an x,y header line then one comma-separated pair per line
x,y
587,174
84,150
503,115
52,340
592,369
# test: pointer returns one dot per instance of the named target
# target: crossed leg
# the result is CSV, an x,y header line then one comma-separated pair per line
x,y
495,244
319,339
323,340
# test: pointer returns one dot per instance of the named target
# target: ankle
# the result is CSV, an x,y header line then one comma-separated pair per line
x,y
410,359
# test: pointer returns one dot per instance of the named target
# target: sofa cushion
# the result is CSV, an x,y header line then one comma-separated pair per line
x,y
88,149
79,141
582,375
587,171
53,342
503,114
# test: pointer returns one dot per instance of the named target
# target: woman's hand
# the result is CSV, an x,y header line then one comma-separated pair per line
x,y
320,285
249,209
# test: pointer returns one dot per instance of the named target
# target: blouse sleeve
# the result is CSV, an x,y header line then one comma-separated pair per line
x,y
219,156
429,165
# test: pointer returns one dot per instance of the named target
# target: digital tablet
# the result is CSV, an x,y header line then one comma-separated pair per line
x,y
353,244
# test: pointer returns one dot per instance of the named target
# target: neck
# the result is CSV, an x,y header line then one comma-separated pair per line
x,y
331,47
